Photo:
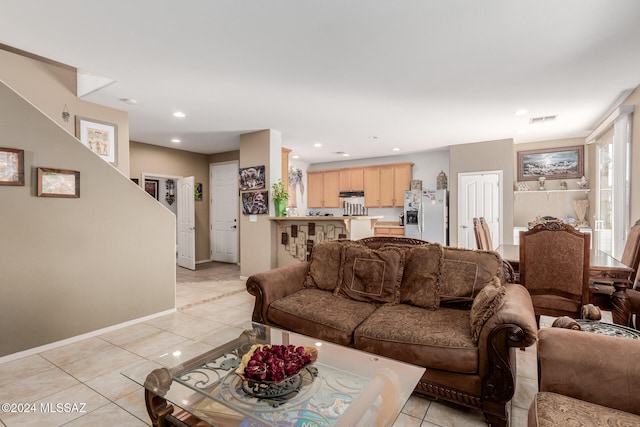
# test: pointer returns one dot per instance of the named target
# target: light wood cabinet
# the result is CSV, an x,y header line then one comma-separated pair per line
x,y
323,189
331,189
384,186
372,187
388,231
352,179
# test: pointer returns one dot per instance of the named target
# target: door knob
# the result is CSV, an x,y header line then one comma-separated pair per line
x,y
234,226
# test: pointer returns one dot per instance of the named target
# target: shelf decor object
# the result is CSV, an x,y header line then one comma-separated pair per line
x,y
100,137
58,183
551,163
11,166
580,206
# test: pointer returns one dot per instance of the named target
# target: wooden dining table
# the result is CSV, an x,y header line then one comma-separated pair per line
x,y
601,266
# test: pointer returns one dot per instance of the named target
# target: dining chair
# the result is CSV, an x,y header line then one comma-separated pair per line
x,y
487,234
554,267
602,288
479,234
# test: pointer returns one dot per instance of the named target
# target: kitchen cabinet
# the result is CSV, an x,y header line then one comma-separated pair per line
x,y
372,187
384,185
352,179
390,231
323,189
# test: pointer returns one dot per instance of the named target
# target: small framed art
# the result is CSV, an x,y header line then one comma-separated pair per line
x,y
11,166
100,137
151,187
252,178
58,183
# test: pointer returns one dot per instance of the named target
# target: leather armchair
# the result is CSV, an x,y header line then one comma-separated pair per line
x,y
586,379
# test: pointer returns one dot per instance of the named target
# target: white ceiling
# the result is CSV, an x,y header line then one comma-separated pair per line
x,y
416,74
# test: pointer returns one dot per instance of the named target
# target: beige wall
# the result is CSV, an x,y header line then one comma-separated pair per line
x,y
478,157
155,160
228,156
258,239
72,266
50,86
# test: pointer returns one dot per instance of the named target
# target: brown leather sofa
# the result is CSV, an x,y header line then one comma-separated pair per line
x,y
586,379
447,309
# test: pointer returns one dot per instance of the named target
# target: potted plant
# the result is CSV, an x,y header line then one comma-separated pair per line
x,y
280,196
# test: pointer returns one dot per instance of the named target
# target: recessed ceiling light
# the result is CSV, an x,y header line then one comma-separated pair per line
x,y
521,112
176,140
295,157
179,114
317,145
345,154
396,149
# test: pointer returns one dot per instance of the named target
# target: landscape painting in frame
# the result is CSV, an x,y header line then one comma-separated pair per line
x,y
100,137
551,163
58,183
252,178
11,166
255,202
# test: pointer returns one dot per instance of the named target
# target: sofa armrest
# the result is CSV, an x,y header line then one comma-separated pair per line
x,y
592,367
513,325
275,284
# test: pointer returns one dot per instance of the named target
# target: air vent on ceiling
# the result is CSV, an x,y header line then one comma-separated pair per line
x,y
542,119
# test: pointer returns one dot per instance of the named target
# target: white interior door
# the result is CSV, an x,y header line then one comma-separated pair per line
x,y
224,212
479,196
186,224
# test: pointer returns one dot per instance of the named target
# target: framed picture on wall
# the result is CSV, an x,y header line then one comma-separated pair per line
x,y
551,163
197,192
100,137
58,183
251,178
11,166
151,187
255,202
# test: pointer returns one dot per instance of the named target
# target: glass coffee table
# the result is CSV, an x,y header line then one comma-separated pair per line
x,y
344,387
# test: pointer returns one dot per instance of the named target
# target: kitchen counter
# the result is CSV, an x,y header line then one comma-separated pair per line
x,y
348,221
389,228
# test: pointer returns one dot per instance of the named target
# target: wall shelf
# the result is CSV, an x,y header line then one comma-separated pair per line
x,y
585,190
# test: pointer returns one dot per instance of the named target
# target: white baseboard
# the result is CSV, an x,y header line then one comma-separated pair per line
x,y
77,338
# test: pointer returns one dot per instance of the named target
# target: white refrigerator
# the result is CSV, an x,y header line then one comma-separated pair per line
x,y
426,215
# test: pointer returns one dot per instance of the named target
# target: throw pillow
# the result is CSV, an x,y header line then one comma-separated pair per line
x,y
486,303
421,276
324,265
464,273
370,275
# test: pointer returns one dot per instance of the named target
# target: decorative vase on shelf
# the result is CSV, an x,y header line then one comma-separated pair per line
x,y
280,196
580,206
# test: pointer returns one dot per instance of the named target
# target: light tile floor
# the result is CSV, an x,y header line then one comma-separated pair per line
x,y
87,372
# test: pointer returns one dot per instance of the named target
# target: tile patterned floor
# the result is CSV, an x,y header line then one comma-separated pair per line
x,y
88,371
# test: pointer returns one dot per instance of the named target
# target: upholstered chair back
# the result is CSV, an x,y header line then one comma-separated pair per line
x,y
554,267
631,252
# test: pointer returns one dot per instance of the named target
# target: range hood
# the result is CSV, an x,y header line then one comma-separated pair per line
x,y
344,194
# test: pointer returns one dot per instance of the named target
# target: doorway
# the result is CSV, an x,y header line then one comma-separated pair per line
x,y
479,196
224,211
175,193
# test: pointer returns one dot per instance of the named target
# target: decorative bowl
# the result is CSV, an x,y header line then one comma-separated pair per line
x,y
275,363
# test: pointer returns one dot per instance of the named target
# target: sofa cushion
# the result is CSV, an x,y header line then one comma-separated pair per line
x,y
324,264
421,276
370,275
464,273
552,410
439,339
320,314
485,304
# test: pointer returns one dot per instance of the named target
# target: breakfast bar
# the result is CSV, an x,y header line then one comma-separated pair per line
x,y
298,234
